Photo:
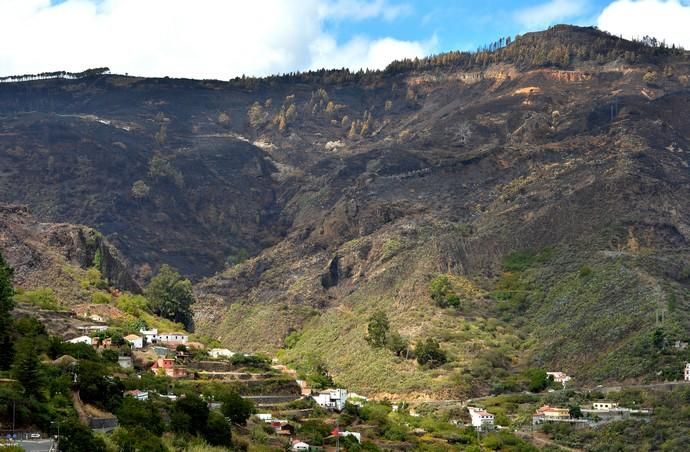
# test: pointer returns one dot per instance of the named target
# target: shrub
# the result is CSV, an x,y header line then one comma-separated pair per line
x,y
518,261
429,354
378,329
42,298
585,271
650,77
100,298
442,292
236,408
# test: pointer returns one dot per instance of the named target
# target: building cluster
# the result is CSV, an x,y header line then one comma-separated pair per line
x,y
159,343
600,412
282,427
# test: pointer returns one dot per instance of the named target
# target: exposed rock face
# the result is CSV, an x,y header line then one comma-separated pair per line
x,y
43,253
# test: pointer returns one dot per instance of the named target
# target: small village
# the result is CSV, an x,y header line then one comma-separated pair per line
x,y
280,416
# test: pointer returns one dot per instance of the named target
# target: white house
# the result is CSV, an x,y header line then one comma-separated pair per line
x,y
135,341
137,394
266,417
559,377
686,376
604,405
356,435
81,340
172,338
331,399
481,419
216,353
299,445
150,335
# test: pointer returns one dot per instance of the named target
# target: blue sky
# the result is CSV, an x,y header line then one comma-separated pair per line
x,y
225,38
467,25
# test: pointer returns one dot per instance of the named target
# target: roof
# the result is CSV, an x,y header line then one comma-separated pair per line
x,y
546,408
79,338
135,392
132,337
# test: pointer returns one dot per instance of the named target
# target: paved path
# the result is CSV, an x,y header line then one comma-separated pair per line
x,y
39,445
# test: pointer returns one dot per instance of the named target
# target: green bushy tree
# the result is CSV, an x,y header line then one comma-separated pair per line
x,y
171,296
429,353
235,408
378,329
442,292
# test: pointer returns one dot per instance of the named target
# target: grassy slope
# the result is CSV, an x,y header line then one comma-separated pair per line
x,y
399,288
594,321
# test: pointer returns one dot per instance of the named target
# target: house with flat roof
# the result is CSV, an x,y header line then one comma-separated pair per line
x,y
604,405
331,399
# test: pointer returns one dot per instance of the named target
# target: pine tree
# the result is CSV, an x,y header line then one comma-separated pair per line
x,y
6,306
27,365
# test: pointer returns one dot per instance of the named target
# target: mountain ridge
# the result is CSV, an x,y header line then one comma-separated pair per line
x,y
349,192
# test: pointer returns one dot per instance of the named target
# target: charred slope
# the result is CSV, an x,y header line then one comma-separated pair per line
x,y
352,191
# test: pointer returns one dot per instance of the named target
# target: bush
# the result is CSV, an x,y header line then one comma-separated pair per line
x,y
75,437
236,408
42,298
217,431
189,415
584,271
136,413
255,361
442,293
137,438
100,298
650,77
429,354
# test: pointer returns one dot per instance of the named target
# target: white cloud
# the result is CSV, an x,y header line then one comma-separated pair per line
x,y
664,20
361,53
191,38
362,9
551,12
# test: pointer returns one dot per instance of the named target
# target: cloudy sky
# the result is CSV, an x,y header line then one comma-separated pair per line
x,y
226,38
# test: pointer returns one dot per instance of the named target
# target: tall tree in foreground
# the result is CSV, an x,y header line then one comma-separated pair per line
x,y
6,306
171,296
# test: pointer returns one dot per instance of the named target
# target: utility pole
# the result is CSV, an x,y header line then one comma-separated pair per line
x,y
337,436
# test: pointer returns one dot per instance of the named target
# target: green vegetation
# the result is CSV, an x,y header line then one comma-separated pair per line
x,y
380,335
6,306
41,298
442,292
429,353
235,408
236,259
378,329
171,296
